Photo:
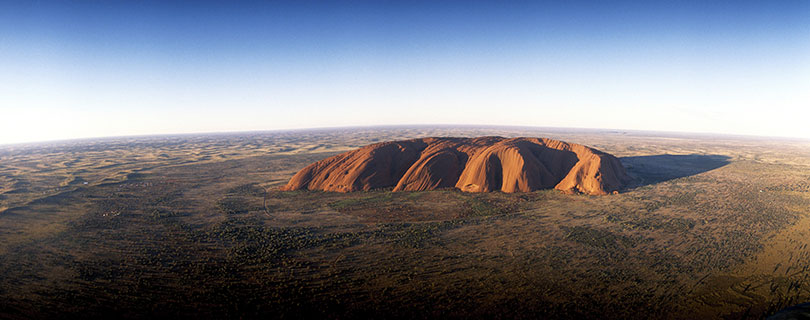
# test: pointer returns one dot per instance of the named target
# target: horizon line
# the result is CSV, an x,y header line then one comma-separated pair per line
x,y
380,126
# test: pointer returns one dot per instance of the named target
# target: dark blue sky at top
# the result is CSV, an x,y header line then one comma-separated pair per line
x,y
161,54
300,30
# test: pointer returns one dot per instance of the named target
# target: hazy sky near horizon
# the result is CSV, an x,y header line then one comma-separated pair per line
x,y
75,69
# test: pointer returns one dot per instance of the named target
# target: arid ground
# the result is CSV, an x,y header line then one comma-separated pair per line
x,y
194,226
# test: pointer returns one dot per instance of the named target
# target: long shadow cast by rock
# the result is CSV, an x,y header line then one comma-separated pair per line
x,y
659,168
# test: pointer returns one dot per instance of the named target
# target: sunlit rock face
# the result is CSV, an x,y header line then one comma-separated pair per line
x,y
480,164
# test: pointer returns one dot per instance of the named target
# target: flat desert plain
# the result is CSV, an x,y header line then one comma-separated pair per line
x,y
195,226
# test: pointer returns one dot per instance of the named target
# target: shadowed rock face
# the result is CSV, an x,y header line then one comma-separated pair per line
x,y
470,164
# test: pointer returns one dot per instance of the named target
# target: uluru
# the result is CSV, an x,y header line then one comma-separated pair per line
x,y
480,164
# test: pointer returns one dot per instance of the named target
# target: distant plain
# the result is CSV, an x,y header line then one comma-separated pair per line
x,y
193,225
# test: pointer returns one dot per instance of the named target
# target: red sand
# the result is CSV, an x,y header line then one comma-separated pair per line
x,y
470,164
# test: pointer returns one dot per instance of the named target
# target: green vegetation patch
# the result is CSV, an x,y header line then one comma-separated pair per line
x,y
363,202
236,205
492,204
415,235
597,238
681,199
247,190
481,208
169,199
667,224
250,243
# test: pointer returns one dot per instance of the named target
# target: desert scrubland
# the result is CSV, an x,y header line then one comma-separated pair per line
x,y
195,225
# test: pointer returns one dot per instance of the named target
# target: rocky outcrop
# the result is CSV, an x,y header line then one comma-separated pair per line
x,y
470,164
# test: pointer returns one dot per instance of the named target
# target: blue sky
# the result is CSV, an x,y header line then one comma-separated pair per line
x,y
107,68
